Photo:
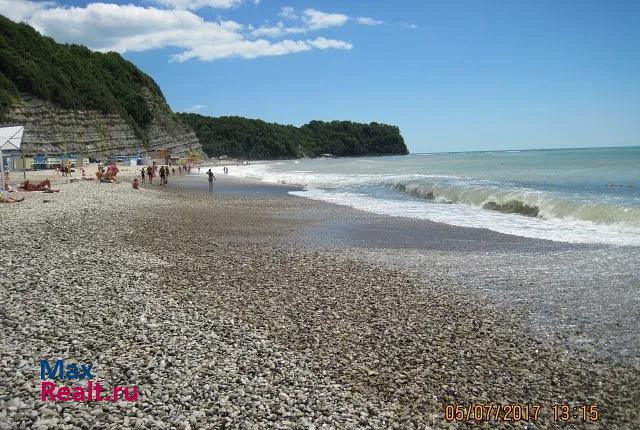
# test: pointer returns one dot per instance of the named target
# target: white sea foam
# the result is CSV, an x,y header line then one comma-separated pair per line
x,y
567,212
561,230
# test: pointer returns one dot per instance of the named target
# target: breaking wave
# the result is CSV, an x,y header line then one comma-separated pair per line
x,y
513,207
501,206
528,202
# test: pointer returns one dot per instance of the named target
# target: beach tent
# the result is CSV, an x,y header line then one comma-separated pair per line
x,y
10,139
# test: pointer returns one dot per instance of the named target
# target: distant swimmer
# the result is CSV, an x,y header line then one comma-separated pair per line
x,y
211,179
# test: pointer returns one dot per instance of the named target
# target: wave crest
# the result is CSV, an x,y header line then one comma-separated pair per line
x,y
513,207
497,197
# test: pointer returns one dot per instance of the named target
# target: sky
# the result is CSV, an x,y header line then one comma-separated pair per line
x,y
453,75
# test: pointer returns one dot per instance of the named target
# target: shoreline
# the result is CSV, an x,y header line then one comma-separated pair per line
x,y
539,277
272,328
352,227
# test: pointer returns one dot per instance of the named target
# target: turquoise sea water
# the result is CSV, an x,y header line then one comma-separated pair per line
x,y
580,195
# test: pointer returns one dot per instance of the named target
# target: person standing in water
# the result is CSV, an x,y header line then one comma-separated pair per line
x,y
211,179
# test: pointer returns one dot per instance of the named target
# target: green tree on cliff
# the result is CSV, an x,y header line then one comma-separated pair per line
x,y
71,76
256,139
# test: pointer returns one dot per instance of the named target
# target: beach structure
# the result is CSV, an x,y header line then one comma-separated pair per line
x,y
127,159
10,140
44,161
39,161
10,160
24,163
161,156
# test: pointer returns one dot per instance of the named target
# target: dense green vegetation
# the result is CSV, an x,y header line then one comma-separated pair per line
x,y
74,77
71,76
255,139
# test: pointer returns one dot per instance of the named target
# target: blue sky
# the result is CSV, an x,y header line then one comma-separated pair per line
x,y
453,75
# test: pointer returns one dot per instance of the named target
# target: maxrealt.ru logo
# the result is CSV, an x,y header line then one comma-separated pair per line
x,y
93,392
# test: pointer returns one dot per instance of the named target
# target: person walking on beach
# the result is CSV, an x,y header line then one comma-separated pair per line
x,y
150,174
211,179
142,174
162,175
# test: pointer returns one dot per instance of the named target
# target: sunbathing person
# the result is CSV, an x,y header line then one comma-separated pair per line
x,y
44,186
106,177
10,199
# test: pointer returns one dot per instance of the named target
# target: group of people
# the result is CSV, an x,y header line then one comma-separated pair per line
x,y
27,186
150,172
66,170
107,175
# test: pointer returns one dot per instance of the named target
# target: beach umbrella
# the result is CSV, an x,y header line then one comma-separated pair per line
x,y
10,139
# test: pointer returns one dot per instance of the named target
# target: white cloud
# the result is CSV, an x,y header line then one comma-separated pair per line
x,y
196,108
112,27
125,28
312,20
316,20
20,10
368,21
258,48
199,4
278,30
322,43
287,12
243,49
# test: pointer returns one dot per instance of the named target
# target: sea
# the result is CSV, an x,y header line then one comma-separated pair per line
x,y
568,195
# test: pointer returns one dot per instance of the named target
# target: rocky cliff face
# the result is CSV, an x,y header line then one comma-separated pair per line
x,y
52,130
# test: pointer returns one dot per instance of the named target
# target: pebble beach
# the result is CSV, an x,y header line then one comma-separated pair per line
x,y
217,311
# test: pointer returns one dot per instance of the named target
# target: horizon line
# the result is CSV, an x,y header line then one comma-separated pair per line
x,y
524,150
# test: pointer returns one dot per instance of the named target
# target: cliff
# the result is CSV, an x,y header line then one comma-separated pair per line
x,y
73,100
50,129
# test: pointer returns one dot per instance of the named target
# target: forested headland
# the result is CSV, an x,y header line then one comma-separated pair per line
x,y
74,77
245,138
71,76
